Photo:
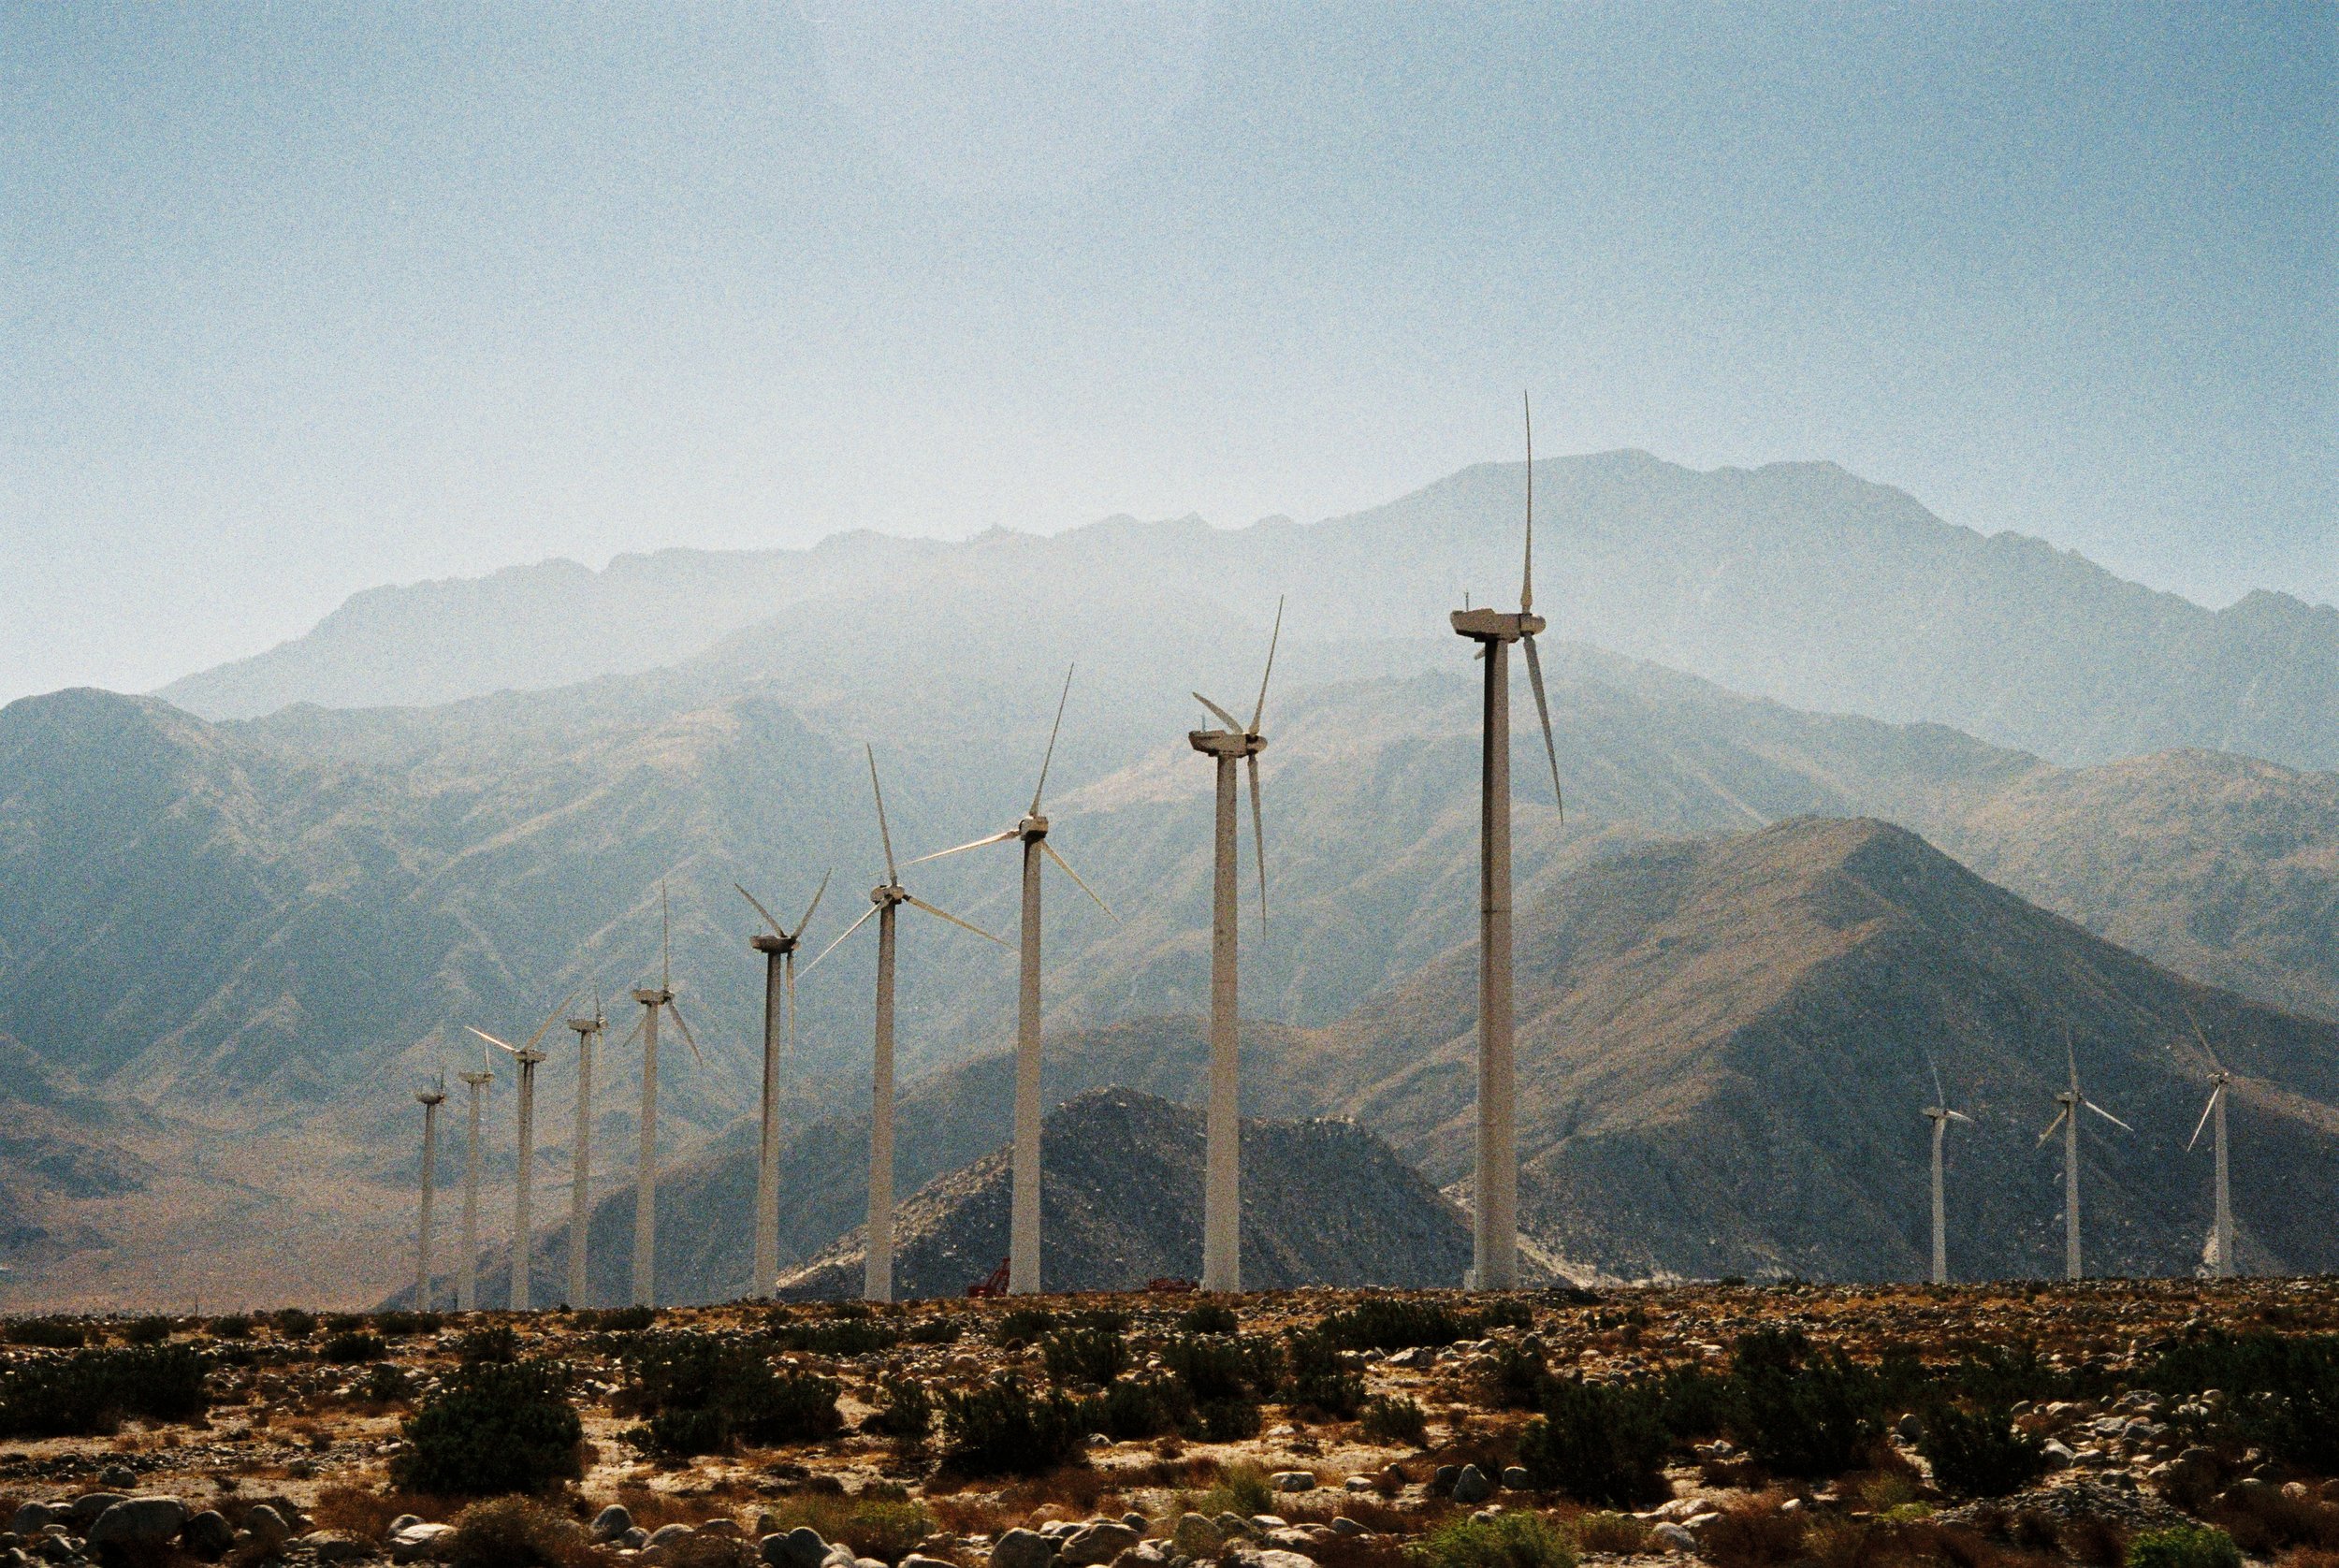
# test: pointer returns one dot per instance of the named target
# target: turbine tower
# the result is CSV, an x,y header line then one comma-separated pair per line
x,y
581,1148
2221,1233
1495,1232
467,1266
779,949
1222,1130
653,999
2072,1102
432,1099
1941,1115
1022,1261
523,1226
885,902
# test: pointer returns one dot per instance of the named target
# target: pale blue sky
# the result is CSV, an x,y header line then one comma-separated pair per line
x,y
298,299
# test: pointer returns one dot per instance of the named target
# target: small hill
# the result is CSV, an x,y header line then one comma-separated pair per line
x,y
1325,1202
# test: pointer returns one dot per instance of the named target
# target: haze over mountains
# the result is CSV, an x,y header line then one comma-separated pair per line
x,y
258,935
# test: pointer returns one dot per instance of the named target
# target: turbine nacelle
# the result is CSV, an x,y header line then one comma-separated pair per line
x,y
1496,625
1226,743
1032,828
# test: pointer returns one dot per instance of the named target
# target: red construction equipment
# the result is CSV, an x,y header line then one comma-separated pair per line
x,y
1170,1286
993,1284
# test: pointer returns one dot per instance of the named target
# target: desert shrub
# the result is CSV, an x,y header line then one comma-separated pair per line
x,y
1619,1535
836,1336
1693,1403
291,1323
1600,1443
1004,1428
1980,1454
1751,1534
493,1342
2184,1545
703,1394
1084,1355
1797,1411
934,1330
2095,1541
1242,1488
1505,1541
492,1426
1517,1373
1316,1381
1026,1324
49,1333
344,1322
1209,1317
91,1392
1392,1323
515,1533
403,1324
619,1320
1214,1368
887,1528
235,1326
347,1348
1227,1420
1504,1311
1394,1419
2283,1389
1999,1375
905,1411
147,1330
1132,1408
383,1383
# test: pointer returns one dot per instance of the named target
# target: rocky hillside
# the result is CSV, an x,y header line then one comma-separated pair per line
x,y
1325,1203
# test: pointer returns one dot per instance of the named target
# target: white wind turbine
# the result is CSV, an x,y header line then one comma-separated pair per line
x,y
581,1149
1495,1239
432,1099
778,948
2221,1232
467,1266
1941,1115
885,901
1222,1124
653,998
523,1209
1022,1267
2072,1102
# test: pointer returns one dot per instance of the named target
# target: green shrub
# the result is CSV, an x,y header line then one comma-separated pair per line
x,y
294,1324
1599,1442
1980,1454
705,1394
1214,1368
514,1533
1130,1409
1617,1534
836,1336
1511,1540
1504,1311
905,1411
344,1322
1209,1317
1227,1420
619,1320
398,1325
934,1330
1394,1419
147,1330
493,1342
1025,1323
384,1382
1693,1403
1242,1488
1004,1428
1517,1378
1316,1380
90,1392
347,1348
1393,1323
492,1426
49,1333
2283,1389
233,1326
1799,1413
2184,1545
1999,1375
1085,1354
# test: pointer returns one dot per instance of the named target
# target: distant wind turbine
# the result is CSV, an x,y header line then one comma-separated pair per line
x,y
432,1099
1222,1135
2072,1102
1941,1115
581,1147
1022,1267
523,1209
653,999
1495,1240
778,948
467,1266
885,901
2221,1232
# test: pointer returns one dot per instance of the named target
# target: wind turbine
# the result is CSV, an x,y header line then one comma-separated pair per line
x,y
581,1148
523,1227
1222,1127
885,902
1941,1115
1495,1238
467,1266
432,1099
653,998
1023,1262
2073,1101
779,949
2221,1233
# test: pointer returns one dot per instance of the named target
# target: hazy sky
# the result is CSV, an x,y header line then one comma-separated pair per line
x,y
298,299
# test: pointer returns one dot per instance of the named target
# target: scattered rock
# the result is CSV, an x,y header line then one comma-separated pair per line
x,y
801,1547
263,1521
1515,1479
333,1545
1675,1537
1275,1558
614,1521
1472,1486
420,1542
1343,1525
83,1510
1444,1476
666,1534
1023,1548
1194,1536
1292,1481
31,1518
139,1521
2059,1453
206,1536
1093,1544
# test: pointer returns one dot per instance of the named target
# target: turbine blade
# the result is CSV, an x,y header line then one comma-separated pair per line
x,y
665,941
931,909
1961,1116
842,935
2206,1049
483,1033
634,1034
1939,1097
1276,636
809,907
999,837
2052,1126
1049,756
2107,1115
2204,1118
883,832
546,1027
1049,849
687,1037
1221,713
1542,709
787,977
1527,578
1258,839
777,930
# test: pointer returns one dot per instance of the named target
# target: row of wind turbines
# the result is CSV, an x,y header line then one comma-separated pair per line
x,y
1234,748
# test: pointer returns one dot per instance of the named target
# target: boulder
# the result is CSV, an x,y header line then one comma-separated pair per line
x,y
1343,1525
1515,1479
1145,1554
1472,1486
667,1535
421,1542
632,1539
32,1517
2059,1453
139,1521
801,1547
263,1521
1276,1557
1444,1476
120,1478
1675,1537
1292,1481
611,1522
1023,1548
1196,1536
1095,1544
206,1535
333,1545
82,1511
917,1560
